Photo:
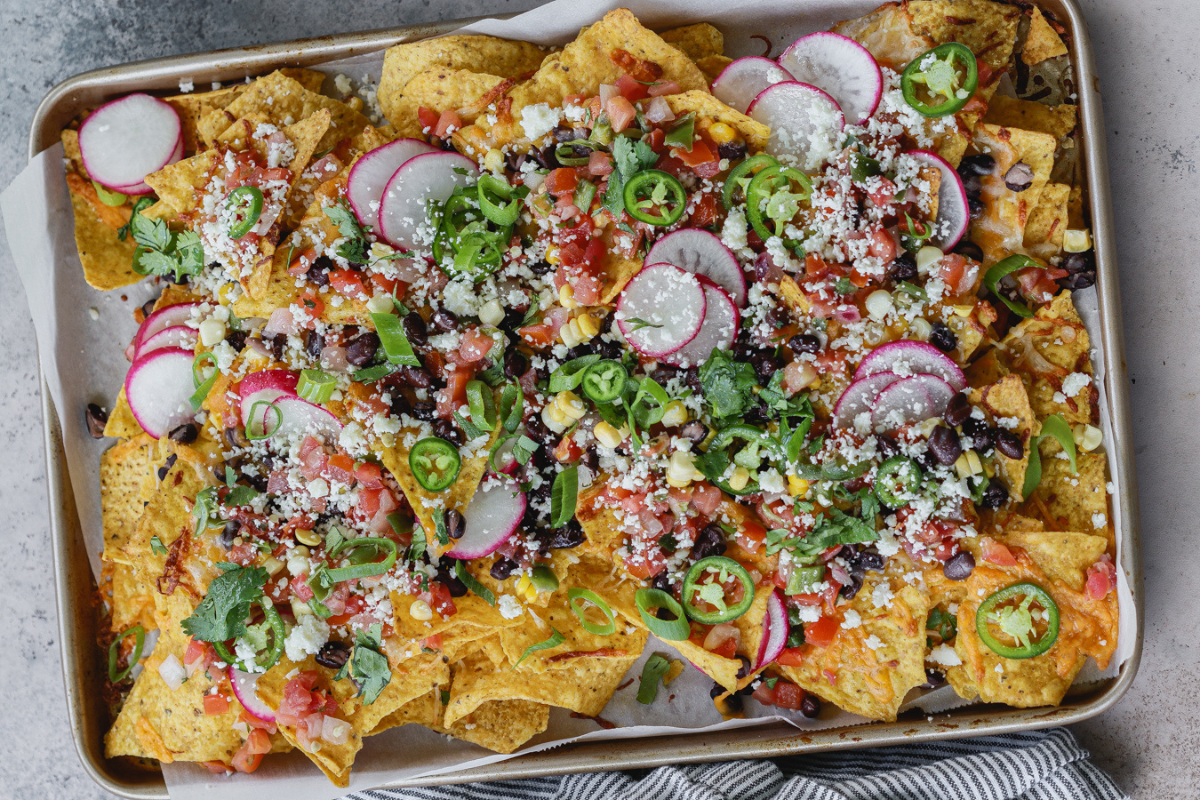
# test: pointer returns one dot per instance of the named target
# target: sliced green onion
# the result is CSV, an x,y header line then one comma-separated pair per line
x,y
475,587
266,430
585,192
203,385
113,199
991,279
656,667
512,407
565,153
372,374
114,653
568,376
482,405
369,569
563,496
278,635
316,386
395,342
496,200
1057,428
669,630
576,596
555,640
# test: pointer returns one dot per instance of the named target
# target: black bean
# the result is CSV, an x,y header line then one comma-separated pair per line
x,y
314,343
851,589
537,430
502,568
448,579
591,459
972,185
982,164
777,317
1019,177
259,482
810,706
763,267
185,433
277,343
973,426
456,524
424,410
1080,280
228,534
662,582
1081,270
933,679
445,429
695,431
515,364
975,207
732,150
745,667
717,690
869,559
568,536
541,267
166,467
765,365
969,249
400,405
318,272
944,445
445,321
984,440
414,328
942,337
995,495
148,307
333,655
927,460
958,410
903,267
514,161
236,340
710,541
96,418
563,133
606,349
886,445
804,343
362,349
959,566
1009,443
580,351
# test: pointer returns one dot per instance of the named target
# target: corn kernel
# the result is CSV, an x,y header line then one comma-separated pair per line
x,y
808,375
963,310
921,329
675,414
300,608
553,418
1087,437
552,256
1077,241
310,538
607,435
927,256
420,611
962,467
491,312
721,133
380,304
974,463
568,335
589,326
211,331
797,487
523,584
677,484
493,161
531,593
739,478
879,303
566,295
681,467
569,405
272,565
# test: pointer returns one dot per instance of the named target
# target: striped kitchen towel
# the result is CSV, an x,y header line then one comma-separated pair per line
x,y
1038,765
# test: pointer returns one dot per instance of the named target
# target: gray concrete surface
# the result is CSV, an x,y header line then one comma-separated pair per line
x,y
1149,59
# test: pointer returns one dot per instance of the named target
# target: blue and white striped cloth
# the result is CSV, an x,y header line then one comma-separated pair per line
x,y
1039,765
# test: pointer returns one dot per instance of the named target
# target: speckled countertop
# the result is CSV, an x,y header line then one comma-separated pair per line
x,y
1149,65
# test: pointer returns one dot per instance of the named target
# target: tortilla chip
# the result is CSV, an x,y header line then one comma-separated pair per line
x,y
285,102
601,526
888,34
131,603
1000,230
194,107
1042,41
123,469
988,28
1074,501
713,66
500,725
441,89
1048,347
1063,556
1008,399
1029,115
708,107
696,41
577,642
178,184
877,661
1048,222
107,261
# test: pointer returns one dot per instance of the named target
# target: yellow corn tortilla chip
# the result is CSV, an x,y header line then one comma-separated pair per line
x,y
705,106
624,642
888,34
1074,501
988,28
170,724
696,41
107,261
1029,115
441,89
713,66
1063,556
194,107
877,661
123,469
1008,399
1047,348
1046,224
1000,230
131,602
500,725
1042,41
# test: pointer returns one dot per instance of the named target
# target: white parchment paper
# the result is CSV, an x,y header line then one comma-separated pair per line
x,y
82,333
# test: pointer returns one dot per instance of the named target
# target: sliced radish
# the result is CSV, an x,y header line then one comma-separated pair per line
x,y
953,212
430,176
175,336
907,357
840,66
718,331
127,139
914,399
159,388
245,688
860,397
491,518
283,380
742,81
143,187
701,252
165,317
661,309
296,418
371,173
805,122
775,630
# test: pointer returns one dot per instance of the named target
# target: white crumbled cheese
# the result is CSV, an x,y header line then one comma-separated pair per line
x,y
852,619
307,638
1074,383
352,439
94,313
771,481
509,607
186,85
343,84
809,613
1099,520
944,655
539,119
882,595
461,298
873,642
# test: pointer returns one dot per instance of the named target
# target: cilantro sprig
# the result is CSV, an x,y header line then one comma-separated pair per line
x,y
630,156
160,250
222,613
354,248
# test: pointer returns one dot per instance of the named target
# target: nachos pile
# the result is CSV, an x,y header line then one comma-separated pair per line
x,y
453,399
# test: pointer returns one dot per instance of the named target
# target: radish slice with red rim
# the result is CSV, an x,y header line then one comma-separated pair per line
x,y
165,317
175,336
125,140
840,66
954,213
371,173
661,309
283,380
719,329
859,398
775,630
906,357
805,123
245,688
159,388
421,179
742,81
702,253
910,400
297,418
492,516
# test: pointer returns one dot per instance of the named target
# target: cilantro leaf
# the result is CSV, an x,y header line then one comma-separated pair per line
x,y
630,157
239,496
368,665
222,613
726,384
354,249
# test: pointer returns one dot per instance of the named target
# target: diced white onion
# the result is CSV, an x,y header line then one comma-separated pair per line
x,y
659,110
172,672
334,730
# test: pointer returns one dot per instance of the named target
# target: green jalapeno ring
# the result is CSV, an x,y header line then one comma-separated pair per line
x,y
271,656
641,194
692,587
766,183
604,381
435,463
935,69
1017,622
897,480
247,203
740,172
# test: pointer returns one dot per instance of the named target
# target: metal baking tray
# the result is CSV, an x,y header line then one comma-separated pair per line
x,y
83,669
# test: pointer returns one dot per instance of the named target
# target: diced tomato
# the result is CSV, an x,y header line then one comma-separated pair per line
x,y
788,695
447,123
822,632
883,246
441,601
657,140
474,346
1101,578
538,336
996,553
567,450
301,589
339,468
562,181
215,704
388,285
312,458
630,89
243,554
277,482
791,657
368,474
646,563
427,117
199,653
621,113
726,649
884,194
302,262
701,153
347,283
278,588
706,212
246,761
313,307
454,395
216,767
259,742
764,694
264,175
751,535
599,163
662,88
252,722
831,361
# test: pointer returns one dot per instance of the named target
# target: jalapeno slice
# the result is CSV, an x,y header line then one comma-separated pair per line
x,y
743,172
270,656
948,73
756,446
604,381
992,278
712,593
1016,621
771,196
656,198
897,481
434,463
245,203
496,200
